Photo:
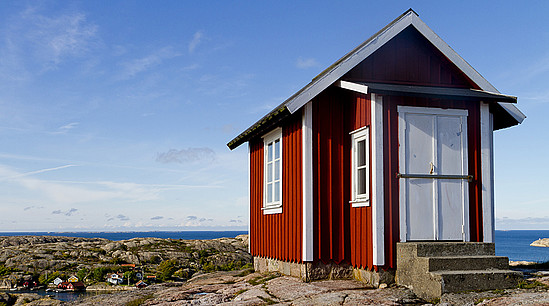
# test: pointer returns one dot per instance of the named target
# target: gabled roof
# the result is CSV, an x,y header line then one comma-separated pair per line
x,y
337,70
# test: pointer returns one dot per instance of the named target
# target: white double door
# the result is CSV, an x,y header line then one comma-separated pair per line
x,y
433,169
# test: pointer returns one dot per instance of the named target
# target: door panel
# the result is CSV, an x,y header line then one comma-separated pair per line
x,y
420,215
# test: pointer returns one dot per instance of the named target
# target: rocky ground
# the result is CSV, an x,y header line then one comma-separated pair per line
x,y
242,287
46,256
248,288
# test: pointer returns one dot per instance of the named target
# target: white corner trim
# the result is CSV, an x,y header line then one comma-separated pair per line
x,y
487,172
363,89
249,200
376,198
307,155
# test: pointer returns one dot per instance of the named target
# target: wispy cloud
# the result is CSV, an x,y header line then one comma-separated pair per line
x,y
197,39
133,67
186,155
19,175
157,218
196,221
122,218
305,63
67,127
34,42
68,213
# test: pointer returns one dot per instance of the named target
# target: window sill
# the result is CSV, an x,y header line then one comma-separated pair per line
x,y
269,210
360,203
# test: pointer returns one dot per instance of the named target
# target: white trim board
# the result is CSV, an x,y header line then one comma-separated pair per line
x,y
487,172
376,198
307,159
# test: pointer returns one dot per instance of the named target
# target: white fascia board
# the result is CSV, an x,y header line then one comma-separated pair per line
x,y
348,63
363,89
307,157
513,111
377,199
463,65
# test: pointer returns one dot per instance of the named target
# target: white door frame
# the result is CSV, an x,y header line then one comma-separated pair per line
x,y
402,111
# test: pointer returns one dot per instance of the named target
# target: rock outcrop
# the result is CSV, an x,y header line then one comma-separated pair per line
x,y
542,242
44,255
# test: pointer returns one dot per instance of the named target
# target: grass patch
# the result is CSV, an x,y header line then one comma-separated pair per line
x,y
262,279
239,292
245,272
531,285
140,301
267,301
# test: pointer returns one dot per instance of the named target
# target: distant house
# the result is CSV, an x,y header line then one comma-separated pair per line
x,y
57,281
128,265
72,286
73,279
115,279
151,278
141,284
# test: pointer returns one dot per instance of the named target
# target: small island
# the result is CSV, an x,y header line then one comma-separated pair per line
x,y
542,242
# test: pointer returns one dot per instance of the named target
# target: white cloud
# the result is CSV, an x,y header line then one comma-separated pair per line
x,y
33,43
136,66
186,155
197,39
67,127
304,63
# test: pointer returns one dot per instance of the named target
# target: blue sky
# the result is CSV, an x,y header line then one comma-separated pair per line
x,y
114,115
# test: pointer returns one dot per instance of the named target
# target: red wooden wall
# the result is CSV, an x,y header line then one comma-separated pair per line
x,y
278,235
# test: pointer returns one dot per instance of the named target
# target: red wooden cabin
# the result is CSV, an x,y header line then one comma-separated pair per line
x,y
391,143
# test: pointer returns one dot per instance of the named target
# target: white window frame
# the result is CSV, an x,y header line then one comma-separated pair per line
x,y
362,134
273,207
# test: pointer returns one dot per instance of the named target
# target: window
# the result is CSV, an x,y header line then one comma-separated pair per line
x,y
360,167
272,146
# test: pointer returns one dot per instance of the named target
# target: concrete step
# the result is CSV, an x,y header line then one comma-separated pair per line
x,y
462,280
446,249
482,262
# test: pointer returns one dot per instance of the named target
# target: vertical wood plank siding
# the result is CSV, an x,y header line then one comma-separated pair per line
x,y
409,59
342,233
331,175
278,235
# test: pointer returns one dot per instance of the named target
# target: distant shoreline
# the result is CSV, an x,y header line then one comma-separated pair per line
x,y
125,235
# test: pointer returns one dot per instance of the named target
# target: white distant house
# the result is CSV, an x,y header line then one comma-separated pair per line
x,y
57,281
115,279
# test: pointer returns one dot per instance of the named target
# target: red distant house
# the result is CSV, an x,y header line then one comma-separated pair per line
x,y
72,286
392,143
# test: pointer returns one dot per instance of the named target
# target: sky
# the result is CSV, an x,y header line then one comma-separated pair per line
x,y
115,115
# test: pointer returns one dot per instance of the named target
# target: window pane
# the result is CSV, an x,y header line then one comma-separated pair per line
x,y
277,170
270,152
277,191
277,149
361,153
270,193
361,181
269,172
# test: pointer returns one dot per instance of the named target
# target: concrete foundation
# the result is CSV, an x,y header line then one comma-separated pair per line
x,y
431,269
310,271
